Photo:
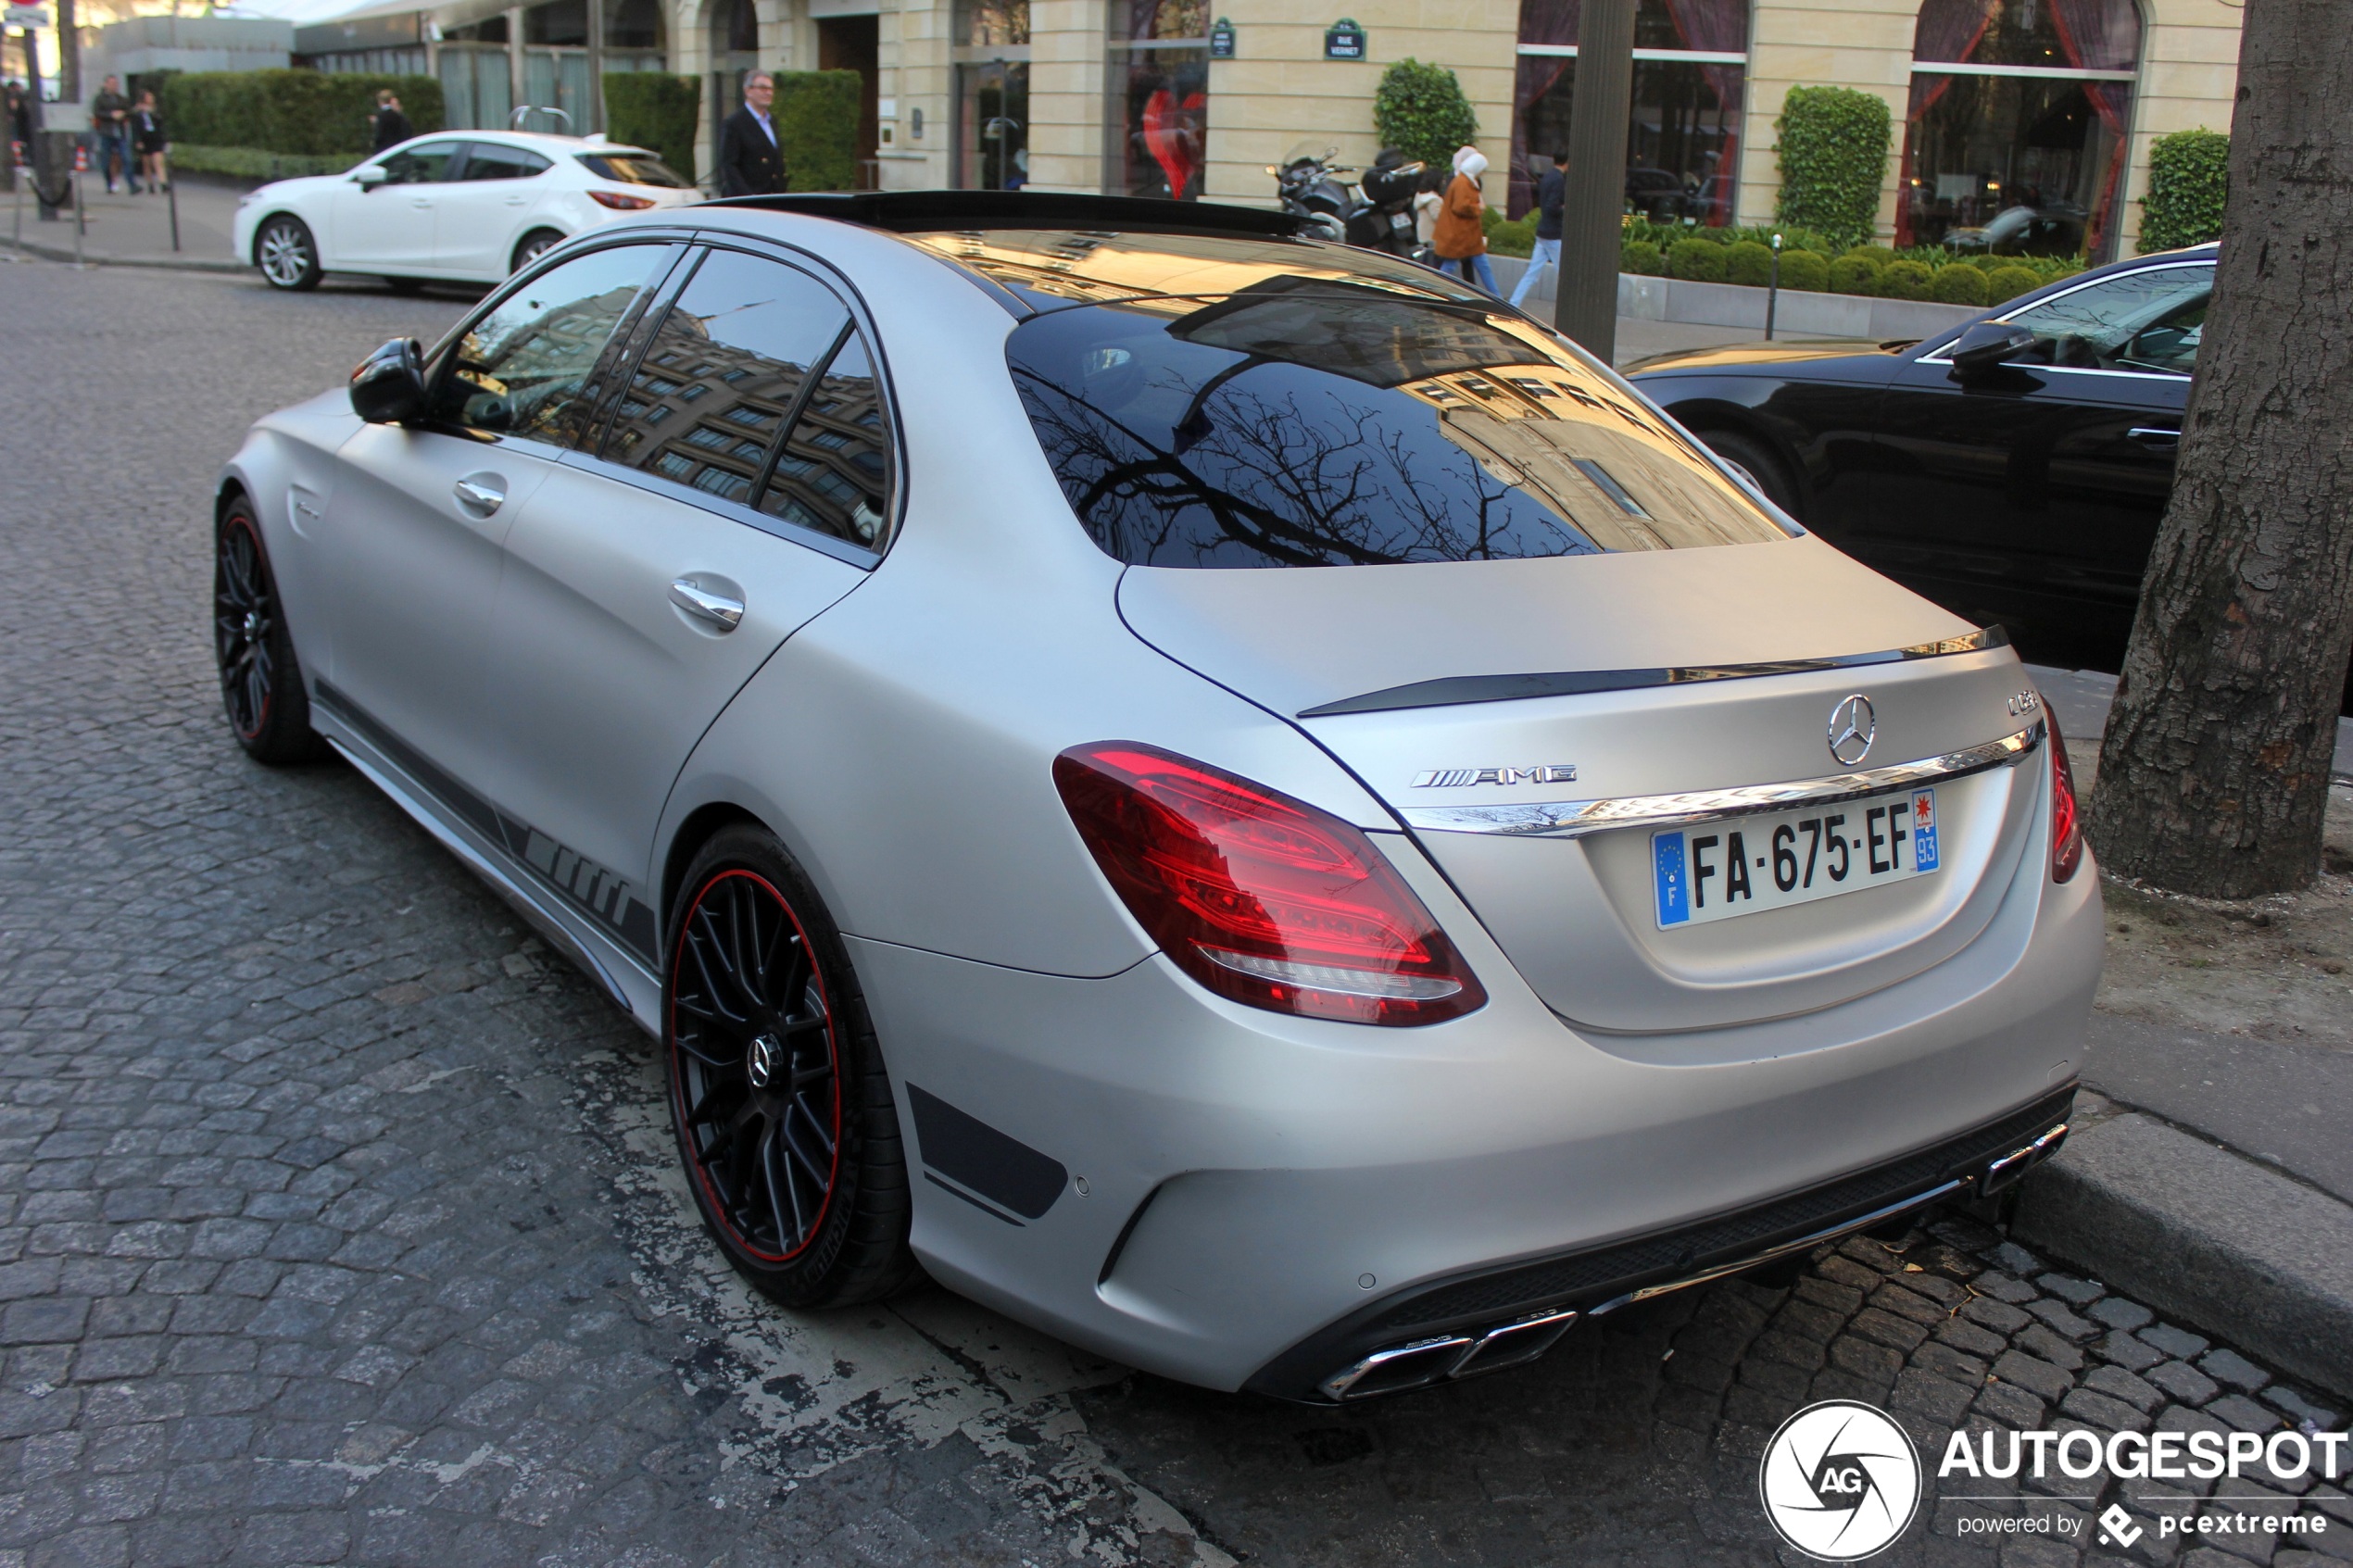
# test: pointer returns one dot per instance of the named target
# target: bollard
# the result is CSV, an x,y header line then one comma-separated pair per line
x,y
1773,290
81,205
171,189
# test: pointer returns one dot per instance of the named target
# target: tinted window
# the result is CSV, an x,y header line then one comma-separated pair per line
x,y
834,474
1299,423
419,165
631,168
524,368
485,161
724,374
2147,321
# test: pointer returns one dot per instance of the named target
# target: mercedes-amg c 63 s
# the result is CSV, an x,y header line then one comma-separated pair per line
x,y
1226,796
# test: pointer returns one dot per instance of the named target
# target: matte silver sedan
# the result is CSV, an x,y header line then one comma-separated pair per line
x,y
1221,794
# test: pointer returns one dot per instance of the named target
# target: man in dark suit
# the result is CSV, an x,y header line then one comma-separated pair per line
x,y
751,164
392,126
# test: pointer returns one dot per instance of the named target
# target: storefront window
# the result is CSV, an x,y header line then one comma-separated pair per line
x,y
1159,98
2016,138
992,53
1682,145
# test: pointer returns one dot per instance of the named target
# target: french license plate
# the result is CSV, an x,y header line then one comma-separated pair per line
x,y
1401,220
1714,870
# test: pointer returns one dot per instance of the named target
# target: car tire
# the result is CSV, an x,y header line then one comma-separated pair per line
x,y
532,246
778,1095
287,254
1763,466
260,681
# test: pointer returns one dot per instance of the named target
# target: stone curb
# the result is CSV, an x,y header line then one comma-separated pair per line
x,y
169,263
2224,1244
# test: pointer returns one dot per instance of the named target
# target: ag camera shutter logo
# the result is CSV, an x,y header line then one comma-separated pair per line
x,y
1840,1481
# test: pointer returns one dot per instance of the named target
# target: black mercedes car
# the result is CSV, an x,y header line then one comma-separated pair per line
x,y
2013,468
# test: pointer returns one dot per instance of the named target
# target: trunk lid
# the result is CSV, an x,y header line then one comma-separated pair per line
x,y
1463,693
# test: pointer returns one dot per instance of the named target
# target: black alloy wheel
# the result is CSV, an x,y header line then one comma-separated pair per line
x,y
782,1109
287,253
260,682
1758,462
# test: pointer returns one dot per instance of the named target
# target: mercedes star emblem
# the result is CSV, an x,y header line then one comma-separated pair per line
x,y
760,1062
1853,728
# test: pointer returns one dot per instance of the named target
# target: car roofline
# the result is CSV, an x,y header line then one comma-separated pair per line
x,y
905,212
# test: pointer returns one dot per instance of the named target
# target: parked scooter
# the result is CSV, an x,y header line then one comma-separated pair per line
x,y
1376,215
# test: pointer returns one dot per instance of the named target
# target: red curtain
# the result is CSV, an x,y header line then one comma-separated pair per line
x,y
1541,22
1948,31
1718,27
2101,35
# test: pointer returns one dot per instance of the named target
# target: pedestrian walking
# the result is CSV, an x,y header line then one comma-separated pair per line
x,y
149,143
1429,202
111,134
1551,190
390,125
751,164
1461,236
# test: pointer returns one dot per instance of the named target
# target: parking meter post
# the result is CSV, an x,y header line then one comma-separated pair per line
x,y
1773,290
1594,204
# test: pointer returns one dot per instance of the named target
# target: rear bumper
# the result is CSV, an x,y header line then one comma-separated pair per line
x,y
1249,1199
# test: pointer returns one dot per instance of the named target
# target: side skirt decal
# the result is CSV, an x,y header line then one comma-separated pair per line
x,y
603,896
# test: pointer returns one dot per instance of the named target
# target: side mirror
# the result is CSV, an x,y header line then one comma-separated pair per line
x,y
1986,346
371,175
389,386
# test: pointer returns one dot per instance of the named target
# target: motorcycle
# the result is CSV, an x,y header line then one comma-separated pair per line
x,y
1376,215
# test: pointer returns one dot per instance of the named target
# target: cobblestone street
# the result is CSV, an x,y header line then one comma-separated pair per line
x,y
339,1220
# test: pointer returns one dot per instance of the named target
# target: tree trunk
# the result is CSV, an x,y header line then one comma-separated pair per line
x,y
2215,771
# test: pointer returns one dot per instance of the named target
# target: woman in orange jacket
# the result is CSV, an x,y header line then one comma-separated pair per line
x,y
1461,236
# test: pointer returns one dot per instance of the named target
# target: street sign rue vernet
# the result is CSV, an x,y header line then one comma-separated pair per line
x,y
28,15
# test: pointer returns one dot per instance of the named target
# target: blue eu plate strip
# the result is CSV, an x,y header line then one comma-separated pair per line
x,y
1923,830
1674,887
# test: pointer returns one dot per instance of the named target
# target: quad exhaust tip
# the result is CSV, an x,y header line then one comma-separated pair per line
x,y
1446,1358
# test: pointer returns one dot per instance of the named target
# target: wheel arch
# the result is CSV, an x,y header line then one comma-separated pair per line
x,y
700,826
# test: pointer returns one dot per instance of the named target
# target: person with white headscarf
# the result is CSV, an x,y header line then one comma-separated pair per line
x,y
1460,238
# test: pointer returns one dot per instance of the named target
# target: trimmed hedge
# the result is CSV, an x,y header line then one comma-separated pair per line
x,y
1905,280
251,163
655,111
1958,285
816,119
1834,159
1696,259
1421,110
1805,270
310,113
2004,283
1508,236
1748,262
2189,181
1643,259
1853,274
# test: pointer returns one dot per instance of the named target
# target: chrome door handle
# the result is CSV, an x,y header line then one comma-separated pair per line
x,y
2154,436
721,611
482,493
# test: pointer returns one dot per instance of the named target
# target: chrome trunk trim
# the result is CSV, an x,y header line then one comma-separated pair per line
x,y
1572,819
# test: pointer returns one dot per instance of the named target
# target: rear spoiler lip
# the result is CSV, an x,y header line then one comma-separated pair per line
x,y
1458,690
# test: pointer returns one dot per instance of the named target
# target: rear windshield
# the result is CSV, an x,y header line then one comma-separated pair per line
x,y
1309,422
631,168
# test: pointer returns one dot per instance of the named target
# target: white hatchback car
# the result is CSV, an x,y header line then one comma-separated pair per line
x,y
459,206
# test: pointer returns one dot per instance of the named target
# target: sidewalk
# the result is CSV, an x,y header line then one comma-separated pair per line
x,y
124,229
2209,1173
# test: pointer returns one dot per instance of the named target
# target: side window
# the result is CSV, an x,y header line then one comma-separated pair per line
x,y
723,377
524,369
834,474
420,165
487,161
2145,321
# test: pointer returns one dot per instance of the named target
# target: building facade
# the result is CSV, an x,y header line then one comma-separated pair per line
x,y
1999,105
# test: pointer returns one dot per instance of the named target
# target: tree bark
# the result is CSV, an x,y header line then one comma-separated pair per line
x,y
2214,773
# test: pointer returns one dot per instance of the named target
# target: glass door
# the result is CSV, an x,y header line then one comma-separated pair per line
x,y
992,126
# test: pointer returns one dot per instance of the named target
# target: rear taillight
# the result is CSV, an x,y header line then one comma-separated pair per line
x,y
620,203
2067,822
1261,897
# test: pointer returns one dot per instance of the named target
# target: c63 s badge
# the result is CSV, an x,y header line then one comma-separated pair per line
x,y
1461,778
